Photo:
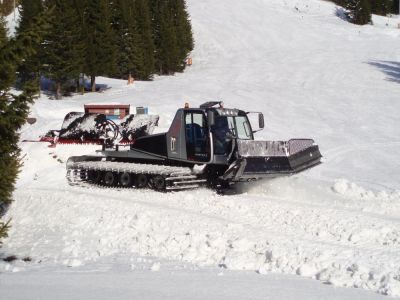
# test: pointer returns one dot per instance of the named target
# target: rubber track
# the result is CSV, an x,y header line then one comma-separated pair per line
x,y
177,178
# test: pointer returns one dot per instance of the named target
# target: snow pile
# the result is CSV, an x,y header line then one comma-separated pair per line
x,y
352,190
383,202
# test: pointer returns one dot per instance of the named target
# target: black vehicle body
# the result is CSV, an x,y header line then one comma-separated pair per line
x,y
221,140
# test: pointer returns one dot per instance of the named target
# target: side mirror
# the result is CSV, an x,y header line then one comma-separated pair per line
x,y
211,118
253,116
261,123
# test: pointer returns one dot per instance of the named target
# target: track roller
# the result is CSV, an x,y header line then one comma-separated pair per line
x,y
95,176
141,181
110,179
125,180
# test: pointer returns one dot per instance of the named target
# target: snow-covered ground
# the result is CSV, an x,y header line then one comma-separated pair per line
x,y
122,277
313,75
12,21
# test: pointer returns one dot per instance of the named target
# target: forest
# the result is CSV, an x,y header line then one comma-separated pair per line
x,y
119,39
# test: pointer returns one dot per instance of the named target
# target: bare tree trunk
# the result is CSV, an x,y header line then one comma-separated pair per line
x,y
81,82
93,83
58,90
77,85
38,84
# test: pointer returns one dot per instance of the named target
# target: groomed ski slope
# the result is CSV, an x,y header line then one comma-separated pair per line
x,y
313,75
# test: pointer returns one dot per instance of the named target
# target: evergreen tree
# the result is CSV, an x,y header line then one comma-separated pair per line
x,y
381,7
144,28
28,10
32,67
359,11
129,51
172,33
165,37
120,28
183,31
3,31
63,47
3,231
14,108
80,6
100,44
132,27
395,7
3,41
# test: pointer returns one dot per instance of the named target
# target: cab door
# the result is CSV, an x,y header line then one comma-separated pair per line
x,y
197,137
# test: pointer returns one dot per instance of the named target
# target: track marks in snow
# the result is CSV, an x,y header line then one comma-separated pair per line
x,y
244,232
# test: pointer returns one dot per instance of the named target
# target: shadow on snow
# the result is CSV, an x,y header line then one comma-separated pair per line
x,y
390,68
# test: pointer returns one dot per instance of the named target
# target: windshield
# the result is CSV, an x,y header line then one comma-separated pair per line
x,y
243,130
224,127
238,126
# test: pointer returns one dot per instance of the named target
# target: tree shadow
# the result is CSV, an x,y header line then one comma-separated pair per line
x,y
390,68
341,13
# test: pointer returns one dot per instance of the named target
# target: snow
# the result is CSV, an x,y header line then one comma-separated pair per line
x,y
313,75
141,168
12,21
115,279
133,124
88,124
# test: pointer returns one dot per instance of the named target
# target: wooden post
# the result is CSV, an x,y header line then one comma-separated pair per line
x,y
58,91
131,80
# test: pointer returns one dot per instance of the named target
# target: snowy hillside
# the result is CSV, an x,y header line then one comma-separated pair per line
x,y
12,21
313,75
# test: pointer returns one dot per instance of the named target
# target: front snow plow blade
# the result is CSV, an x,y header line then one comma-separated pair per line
x,y
269,159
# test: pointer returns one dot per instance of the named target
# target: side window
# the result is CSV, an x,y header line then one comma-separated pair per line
x,y
198,119
188,118
188,126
